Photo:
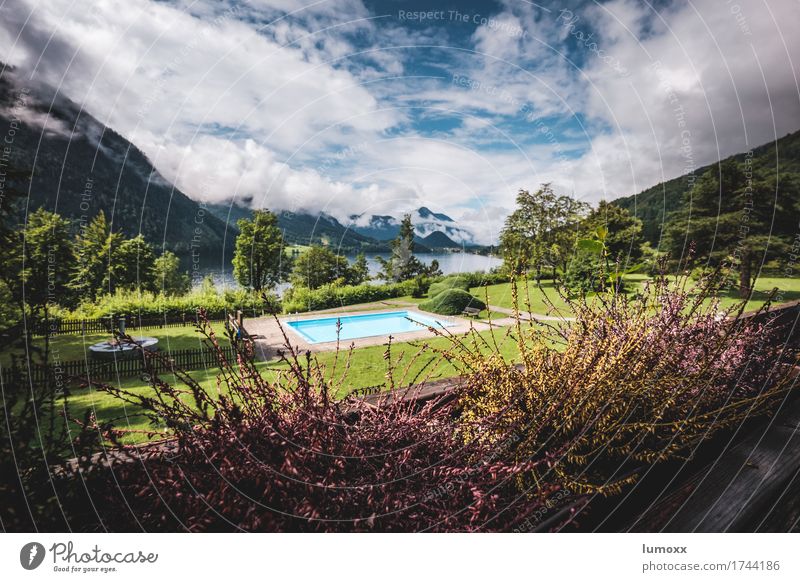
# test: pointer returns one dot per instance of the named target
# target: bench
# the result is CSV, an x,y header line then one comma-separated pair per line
x,y
471,311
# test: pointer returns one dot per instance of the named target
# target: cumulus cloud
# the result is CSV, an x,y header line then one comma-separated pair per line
x,y
332,106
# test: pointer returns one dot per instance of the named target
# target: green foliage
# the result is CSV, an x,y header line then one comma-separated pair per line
x,y
320,266
300,299
258,256
92,249
585,273
149,304
655,205
733,218
402,265
541,231
421,286
453,282
623,239
168,278
452,302
39,262
132,265
359,271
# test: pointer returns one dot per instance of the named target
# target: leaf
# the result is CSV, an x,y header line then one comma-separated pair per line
x,y
591,245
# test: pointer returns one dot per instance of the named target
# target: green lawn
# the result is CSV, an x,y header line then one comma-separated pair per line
x,y
539,295
367,368
76,347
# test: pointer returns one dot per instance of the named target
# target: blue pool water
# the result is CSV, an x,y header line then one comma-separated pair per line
x,y
315,331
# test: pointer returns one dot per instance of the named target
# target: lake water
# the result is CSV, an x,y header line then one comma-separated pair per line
x,y
448,263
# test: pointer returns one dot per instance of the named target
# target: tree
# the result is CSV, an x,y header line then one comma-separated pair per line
x,y
402,265
258,255
131,265
623,240
359,271
541,231
732,217
319,266
42,261
92,251
168,277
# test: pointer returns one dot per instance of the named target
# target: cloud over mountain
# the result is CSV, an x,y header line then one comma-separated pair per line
x,y
348,108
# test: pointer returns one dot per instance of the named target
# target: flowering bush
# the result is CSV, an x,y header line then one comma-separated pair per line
x,y
632,380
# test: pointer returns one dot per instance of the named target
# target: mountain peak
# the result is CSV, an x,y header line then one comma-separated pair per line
x,y
425,212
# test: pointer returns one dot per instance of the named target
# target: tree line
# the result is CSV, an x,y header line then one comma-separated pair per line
x,y
260,261
737,219
550,234
46,263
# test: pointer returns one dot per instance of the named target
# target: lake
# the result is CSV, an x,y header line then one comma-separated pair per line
x,y
448,263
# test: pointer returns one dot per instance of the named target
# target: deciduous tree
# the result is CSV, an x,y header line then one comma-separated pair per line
x,y
258,257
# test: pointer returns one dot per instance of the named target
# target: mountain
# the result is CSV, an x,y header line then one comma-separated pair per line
x,y
426,223
78,167
654,205
379,227
438,240
305,229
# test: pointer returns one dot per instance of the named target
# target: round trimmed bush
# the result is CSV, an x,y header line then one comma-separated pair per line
x,y
448,283
452,302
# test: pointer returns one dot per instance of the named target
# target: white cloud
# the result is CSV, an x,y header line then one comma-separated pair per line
x,y
320,110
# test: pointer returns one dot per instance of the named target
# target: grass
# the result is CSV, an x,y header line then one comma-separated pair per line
x,y
367,368
76,347
539,295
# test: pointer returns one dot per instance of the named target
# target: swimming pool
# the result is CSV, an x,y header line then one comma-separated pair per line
x,y
316,331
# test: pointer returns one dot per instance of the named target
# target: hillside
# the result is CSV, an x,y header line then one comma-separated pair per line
x,y
305,229
655,204
438,240
80,167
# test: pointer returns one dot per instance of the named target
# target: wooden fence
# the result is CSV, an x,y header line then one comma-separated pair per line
x,y
62,372
111,323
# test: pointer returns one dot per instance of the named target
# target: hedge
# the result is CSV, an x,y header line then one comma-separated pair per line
x,y
452,302
146,304
447,283
300,299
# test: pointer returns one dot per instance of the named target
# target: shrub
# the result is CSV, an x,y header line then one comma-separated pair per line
x,y
421,286
299,299
632,381
452,302
147,304
586,274
456,282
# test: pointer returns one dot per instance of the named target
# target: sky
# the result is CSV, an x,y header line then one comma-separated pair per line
x,y
379,107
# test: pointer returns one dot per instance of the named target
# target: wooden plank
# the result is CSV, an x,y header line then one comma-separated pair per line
x,y
737,490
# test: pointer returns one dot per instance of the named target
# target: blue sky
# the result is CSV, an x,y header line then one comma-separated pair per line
x,y
354,106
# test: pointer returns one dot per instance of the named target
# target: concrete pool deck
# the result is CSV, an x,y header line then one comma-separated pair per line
x,y
269,338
